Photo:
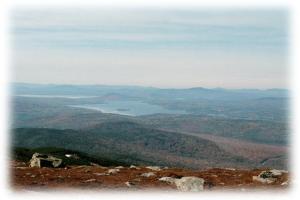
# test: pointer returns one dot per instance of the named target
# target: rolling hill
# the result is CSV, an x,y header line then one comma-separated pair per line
x,y
132,143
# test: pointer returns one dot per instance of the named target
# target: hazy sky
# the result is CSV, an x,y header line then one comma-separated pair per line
x,y
151,47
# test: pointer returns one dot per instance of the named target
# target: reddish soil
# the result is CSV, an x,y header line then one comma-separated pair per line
x,y
90,177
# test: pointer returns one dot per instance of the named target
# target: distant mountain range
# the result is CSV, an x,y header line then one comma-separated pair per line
x,y
220,127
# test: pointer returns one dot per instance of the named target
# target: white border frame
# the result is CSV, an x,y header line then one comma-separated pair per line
x,y
7,5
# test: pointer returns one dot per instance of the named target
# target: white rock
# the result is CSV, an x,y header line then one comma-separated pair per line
x,y
113,171
149,174
94,164
154,168
263,180
72,156
90,180
44,160
285,183
277,172
128,184
100,174
268,176
167,179
21,167
119,167
190,184
134,167
231,169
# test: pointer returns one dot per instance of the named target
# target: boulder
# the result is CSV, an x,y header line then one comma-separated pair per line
x,y
268,176
43,160
190,184
186,184
277,172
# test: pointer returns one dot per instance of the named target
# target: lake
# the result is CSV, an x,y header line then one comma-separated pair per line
x,y
132,108
54,96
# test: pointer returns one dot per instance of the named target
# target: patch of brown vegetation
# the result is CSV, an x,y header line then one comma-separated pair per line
x,y
96,177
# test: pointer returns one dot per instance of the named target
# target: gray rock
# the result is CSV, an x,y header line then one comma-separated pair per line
x,y
268,176
43,160
186,184
190,184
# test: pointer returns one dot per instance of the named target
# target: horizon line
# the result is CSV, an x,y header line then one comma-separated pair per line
x,y
148,86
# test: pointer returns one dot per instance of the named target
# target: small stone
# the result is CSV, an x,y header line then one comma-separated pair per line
x,y
119,167
100,174
129,184
90,180
167,179
276,172
113,171
134,167
285,183
230,169
149,174
21,167
94,164
263,180
154,168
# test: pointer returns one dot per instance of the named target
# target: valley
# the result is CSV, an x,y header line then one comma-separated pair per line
x,y
146,126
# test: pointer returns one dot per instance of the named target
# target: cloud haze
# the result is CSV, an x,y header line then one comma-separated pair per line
x,y
162,48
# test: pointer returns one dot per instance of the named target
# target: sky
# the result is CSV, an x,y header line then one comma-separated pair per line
x,y
167,48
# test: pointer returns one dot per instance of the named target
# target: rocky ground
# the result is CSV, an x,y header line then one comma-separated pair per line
x,y
144,178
